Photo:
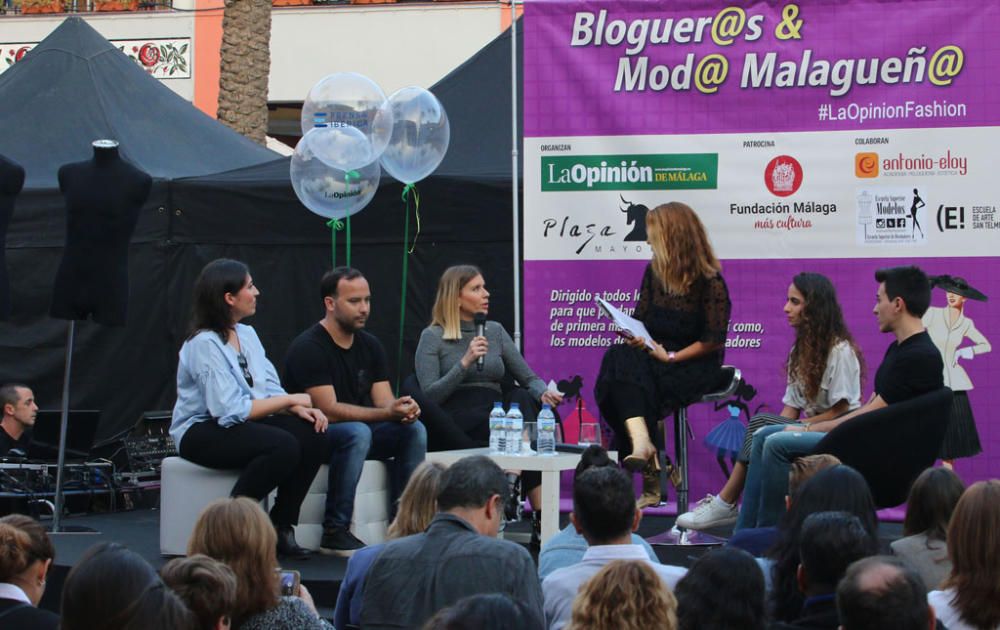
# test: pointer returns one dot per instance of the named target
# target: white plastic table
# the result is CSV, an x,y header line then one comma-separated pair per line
x,y
549,465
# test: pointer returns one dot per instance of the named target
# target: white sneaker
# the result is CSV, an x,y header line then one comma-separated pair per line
x,y
709,513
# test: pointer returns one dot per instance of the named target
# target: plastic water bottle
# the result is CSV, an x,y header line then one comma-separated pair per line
x,y
515,426
498,429
546,431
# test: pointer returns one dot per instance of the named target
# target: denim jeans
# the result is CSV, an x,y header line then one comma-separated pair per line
x,y
771,455
401,446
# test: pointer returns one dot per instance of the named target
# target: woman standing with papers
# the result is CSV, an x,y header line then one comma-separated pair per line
x,y
684,303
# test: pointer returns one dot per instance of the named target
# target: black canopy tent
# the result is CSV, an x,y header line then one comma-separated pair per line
x,y
218,194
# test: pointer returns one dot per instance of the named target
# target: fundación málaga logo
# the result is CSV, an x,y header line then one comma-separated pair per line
x,y
783,175
674,171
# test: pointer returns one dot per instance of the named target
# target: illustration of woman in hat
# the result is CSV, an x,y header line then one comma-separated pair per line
x,y
948,327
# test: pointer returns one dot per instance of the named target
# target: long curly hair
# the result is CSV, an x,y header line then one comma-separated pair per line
x,y
682,252
820,328
624,595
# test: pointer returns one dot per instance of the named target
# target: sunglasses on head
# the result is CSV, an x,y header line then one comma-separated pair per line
x,y
242,360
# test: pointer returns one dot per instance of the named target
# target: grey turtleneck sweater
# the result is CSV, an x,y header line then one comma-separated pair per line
x,y
439,362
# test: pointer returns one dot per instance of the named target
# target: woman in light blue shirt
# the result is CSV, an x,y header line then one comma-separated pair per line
x,y
231,411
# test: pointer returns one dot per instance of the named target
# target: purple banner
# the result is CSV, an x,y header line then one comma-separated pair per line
x,y
565,340
643,68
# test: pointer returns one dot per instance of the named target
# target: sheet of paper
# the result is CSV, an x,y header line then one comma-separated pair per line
x,y
629,324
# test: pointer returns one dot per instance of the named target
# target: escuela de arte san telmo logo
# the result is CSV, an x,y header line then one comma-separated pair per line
x,y
583,173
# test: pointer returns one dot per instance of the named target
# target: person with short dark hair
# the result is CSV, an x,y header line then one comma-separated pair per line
x,y
933,497
26,554
489,611
912,366
342,368
568,546
19,413
969,598
605,513
882,593
828,544
840,488
723,589
458,555
112,588
207,587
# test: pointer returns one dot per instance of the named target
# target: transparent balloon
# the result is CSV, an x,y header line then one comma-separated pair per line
x,y
328,191
345,148
420,135
352,100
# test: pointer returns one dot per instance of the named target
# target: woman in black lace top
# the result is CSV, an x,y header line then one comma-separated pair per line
x,y
684,304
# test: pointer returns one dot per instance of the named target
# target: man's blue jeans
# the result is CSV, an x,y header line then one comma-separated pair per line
x,y
401,446
771,453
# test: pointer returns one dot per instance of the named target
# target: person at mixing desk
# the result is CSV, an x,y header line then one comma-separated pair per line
x,y
19,413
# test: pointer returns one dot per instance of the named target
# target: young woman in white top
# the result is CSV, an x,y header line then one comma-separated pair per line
x,y
824,381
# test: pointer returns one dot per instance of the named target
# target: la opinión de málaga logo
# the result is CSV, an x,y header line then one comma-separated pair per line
x,y
675,171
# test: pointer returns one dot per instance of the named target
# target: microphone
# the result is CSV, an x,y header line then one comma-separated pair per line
x,y
480,320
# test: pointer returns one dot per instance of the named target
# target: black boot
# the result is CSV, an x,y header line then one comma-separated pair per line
x,y
287,547
513,507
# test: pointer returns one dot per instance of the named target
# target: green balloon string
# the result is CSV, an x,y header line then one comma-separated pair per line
x,y
335,226
408,190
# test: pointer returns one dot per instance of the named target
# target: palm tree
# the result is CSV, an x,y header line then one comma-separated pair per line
x,y
245,65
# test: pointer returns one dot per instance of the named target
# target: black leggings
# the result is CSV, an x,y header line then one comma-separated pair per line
x,y
278,451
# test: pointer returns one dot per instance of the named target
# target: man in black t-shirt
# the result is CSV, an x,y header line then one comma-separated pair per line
x,y
19,413
343,369
912,366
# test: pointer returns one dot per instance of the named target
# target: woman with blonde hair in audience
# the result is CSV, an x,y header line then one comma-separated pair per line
x,y
26,554
237,532
624,595
417,507
929,507
970,595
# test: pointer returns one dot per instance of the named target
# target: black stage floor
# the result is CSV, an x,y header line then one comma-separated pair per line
x,y
139,530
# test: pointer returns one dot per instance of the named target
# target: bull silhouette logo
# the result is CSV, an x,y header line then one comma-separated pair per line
x,y
636,217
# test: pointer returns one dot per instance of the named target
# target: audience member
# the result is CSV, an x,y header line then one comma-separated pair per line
x,y
237,532
417,507
605,513
458,555
932,499
829,543
19,413
970,595
490,611
207,587
882,593
26,554
112,588
757,540
343,369
723,589
838,488
568,546
624,595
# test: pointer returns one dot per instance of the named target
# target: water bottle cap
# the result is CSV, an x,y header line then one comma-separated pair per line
x,y
515,405
498,404
546,406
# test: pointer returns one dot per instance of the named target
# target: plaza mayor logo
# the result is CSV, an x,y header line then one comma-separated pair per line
x,y
783,175
675,171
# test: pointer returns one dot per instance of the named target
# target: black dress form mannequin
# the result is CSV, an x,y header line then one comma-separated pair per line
x,y
11,182
103,199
